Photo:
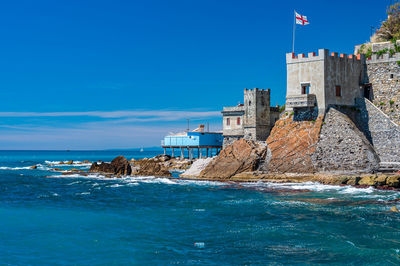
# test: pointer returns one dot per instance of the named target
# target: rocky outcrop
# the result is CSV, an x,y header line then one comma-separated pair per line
x,y
119,166
383,181
196,168
151,167
291,144
241,156
342,146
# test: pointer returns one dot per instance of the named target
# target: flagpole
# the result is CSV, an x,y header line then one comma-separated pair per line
x,y
294,29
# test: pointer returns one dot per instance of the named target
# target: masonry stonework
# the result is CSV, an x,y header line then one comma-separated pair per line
x,y
252,120
385,83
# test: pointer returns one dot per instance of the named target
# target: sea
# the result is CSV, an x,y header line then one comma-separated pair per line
x,y
47,218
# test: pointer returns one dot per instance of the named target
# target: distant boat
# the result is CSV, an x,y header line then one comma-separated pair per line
x,y
141,150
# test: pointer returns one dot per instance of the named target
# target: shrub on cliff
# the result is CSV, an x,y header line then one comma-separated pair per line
x,y
390,28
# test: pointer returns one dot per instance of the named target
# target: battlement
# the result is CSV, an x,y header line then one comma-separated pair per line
x,y
257,91
323,54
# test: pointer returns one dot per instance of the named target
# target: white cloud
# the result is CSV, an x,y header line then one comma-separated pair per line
x,y
161,115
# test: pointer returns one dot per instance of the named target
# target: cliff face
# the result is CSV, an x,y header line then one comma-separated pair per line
x,y
291,144
333,144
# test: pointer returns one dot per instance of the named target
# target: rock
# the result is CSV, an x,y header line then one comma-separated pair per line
x,y
241,156
85,162
394,209
33,167
163,157
68,173
367,181
150,167
393,181
119,166
74,170
57,169
60,162
353,181
70,162
380,180
196,168
291,144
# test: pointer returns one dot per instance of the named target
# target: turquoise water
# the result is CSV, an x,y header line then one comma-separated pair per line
x,y
50,219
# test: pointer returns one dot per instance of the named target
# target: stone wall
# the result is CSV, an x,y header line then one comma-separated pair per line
x,y
383,133
342,146
385,80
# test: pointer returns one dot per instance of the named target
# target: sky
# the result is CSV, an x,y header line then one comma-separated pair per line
x,y
92,75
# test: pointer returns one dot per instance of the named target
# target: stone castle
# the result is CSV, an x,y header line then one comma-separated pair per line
x,y
366,91
252,120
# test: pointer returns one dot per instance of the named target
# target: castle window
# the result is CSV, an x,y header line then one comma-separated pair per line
x,y
391,76
228,121
238,121
338,91
305,88
249,103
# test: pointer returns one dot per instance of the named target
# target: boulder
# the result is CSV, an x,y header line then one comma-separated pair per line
x,y
57,169
241,156
33,167
394,209
119,166
70,162
150,167
367,181
163,157
393,181
353,181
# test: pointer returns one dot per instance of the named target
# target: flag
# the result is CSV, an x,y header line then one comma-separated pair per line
x,y
302,20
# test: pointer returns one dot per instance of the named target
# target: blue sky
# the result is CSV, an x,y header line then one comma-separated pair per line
x,y
122,74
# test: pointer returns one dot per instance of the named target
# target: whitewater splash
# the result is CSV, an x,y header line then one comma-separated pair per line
x,y
62,163
143,179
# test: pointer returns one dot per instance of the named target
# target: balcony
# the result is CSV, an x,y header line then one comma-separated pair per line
x,y
300,101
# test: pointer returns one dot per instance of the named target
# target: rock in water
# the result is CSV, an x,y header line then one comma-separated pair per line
x,y
394,209
121,166
70,162
241,156
118,166
33,167
151,167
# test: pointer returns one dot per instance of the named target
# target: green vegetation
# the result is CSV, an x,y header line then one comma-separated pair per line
x,y
390,28
383,51
368,54
391,102
381,103
282,108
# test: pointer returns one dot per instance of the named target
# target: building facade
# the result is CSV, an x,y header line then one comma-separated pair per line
x,y
316,81
252,120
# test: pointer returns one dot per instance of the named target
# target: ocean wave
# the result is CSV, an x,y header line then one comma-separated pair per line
x,y
134,180
16,168
62,163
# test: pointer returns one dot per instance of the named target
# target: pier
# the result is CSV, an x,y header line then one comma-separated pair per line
x,y
204,144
